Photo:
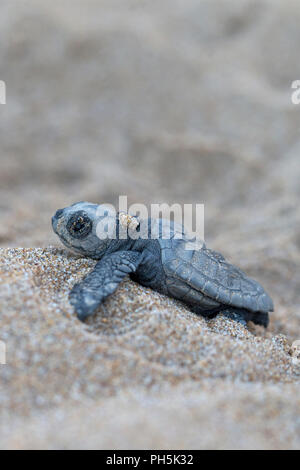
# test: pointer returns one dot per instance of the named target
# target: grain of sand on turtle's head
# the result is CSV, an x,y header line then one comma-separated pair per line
x,y
140,346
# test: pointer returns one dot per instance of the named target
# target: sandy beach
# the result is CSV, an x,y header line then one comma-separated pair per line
x,y
162,101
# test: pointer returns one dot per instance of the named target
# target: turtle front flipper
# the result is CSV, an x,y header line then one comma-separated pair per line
x,y
87,295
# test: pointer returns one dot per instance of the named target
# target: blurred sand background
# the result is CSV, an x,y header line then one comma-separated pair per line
x,y
164,101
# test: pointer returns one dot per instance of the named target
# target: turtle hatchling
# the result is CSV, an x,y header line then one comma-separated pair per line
x,y
170,264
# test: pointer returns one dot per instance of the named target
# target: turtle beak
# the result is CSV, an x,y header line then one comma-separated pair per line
x,y
55,219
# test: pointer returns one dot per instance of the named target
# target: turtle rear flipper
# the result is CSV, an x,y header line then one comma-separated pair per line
x,y
241,315
259,318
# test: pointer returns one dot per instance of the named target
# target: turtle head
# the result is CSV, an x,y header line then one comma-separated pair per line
x,y
82,228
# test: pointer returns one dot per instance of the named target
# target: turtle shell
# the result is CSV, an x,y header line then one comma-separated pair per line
x,y
204,277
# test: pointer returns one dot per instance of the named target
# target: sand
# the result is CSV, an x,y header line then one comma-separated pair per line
x,y
144,365
186,102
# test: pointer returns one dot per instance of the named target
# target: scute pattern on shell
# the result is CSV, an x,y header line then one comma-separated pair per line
x,y
194,272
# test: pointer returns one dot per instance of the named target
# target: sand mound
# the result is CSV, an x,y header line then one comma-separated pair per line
x,y
141,348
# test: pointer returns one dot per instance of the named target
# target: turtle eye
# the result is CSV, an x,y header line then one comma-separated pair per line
x,y
79,225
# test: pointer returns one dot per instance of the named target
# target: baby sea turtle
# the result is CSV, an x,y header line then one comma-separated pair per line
x,y
201,278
